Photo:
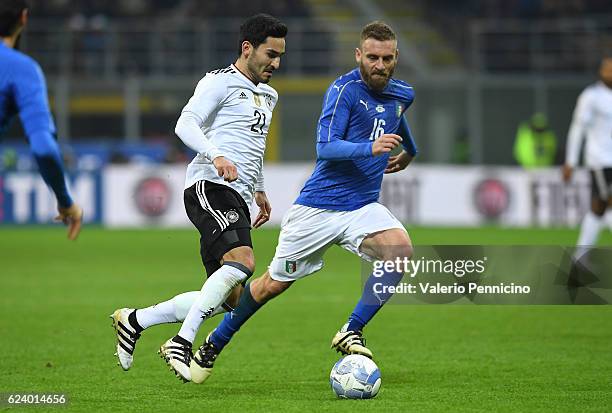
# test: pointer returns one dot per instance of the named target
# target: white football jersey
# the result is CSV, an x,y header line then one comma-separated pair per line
x,y
234,115
593,119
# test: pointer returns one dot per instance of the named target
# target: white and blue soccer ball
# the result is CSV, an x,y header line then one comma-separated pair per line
x,y
355,377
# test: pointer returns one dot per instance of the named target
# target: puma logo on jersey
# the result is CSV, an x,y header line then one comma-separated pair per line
x,y
243,96
364,103
336,87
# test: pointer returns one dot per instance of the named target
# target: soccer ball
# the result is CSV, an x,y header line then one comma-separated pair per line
x,y
355,377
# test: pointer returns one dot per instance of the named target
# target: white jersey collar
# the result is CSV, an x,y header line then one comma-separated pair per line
x,y
244,77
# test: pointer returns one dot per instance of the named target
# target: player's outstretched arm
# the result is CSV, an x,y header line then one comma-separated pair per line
x,y
73,218
265,209
398,162
31,100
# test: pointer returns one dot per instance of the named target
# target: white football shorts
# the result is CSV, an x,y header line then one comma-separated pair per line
x,y
306,233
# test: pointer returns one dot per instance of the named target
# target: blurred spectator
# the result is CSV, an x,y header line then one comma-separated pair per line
x,y
461,148
536,144
8,159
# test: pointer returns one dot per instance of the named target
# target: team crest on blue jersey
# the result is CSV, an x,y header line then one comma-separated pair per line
x,y
380,108
290,266
399,110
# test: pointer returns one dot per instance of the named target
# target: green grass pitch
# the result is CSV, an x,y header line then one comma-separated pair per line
x,y
56,335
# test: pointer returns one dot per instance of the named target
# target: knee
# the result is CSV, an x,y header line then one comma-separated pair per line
x,y
249,262
398,251
388,245
243,255
407,251
598,208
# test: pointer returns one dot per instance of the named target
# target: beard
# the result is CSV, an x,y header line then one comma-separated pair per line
x,y
257,71
377,83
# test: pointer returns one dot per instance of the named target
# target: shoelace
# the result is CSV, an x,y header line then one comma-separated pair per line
x,y
208,354
355,338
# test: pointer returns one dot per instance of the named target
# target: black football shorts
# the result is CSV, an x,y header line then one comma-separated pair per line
x,y
221,216
601,183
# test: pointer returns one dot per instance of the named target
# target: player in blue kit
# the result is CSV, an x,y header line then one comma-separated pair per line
x,y
361,122
23,91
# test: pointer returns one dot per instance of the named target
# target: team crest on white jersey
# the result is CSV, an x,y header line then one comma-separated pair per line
x,y
257,99
269,101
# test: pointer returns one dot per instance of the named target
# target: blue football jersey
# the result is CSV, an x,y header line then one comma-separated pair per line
x,y
354,113
23,91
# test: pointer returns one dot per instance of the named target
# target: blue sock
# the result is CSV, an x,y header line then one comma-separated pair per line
x,y
370,301
231,323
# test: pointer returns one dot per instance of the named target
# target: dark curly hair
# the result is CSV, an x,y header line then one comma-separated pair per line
x,y
257,28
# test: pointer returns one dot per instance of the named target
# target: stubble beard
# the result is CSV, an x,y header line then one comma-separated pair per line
x,y
378,83
254,69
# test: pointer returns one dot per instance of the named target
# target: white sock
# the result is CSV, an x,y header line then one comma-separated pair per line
x,y
172,311
183,302
214,292
589,233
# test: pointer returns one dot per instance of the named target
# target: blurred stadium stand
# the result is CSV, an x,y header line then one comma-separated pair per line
x,y
120,71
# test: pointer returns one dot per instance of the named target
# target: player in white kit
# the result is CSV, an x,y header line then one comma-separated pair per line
x,y
226,122
593,120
